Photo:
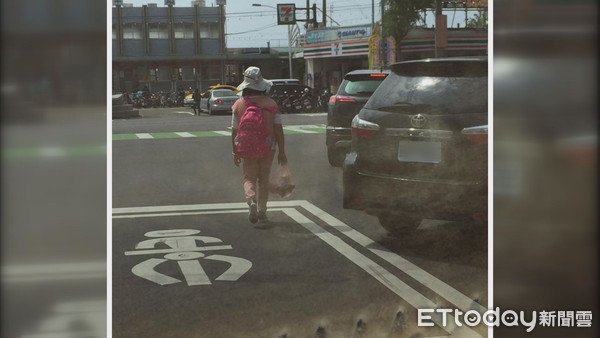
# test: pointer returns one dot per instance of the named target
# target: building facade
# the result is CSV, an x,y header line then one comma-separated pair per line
x,y
332,52
166,48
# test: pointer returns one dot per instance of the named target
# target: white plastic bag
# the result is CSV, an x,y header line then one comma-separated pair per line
x,y
281,182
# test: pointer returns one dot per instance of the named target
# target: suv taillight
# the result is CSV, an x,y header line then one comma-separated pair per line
x,y
363,129
477,134
340,98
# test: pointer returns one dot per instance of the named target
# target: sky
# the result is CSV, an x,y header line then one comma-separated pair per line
x,y
248,26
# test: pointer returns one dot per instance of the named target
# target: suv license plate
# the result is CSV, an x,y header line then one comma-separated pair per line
x,y
421,152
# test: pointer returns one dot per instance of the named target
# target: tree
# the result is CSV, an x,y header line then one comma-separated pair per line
x,y
402,15
479,20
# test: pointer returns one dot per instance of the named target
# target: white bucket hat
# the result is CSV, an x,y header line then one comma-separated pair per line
x,y
253,79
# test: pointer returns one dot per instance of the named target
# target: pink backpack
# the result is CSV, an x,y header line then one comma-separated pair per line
x,y
252,140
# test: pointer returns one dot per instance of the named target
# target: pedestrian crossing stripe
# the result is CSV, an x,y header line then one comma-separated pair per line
x,y
291,130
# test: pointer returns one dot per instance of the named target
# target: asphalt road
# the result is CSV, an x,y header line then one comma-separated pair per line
x,y
187,263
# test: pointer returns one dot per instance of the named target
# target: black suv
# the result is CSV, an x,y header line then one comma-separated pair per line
x,y
354,91
419,145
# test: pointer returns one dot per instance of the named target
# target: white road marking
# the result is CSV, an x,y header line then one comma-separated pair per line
x,y
146,271
380,274
185,134
189,207
194,273
300,130
311,114
182,214
222,132
166,251
182,243
238,268
53,272
144,136
185,112
444,290
463,302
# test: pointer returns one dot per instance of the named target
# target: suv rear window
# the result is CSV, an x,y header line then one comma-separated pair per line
x,y
458,87
361,85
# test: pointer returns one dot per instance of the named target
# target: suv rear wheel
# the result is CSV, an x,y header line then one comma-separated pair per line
x,y
398,223
335,156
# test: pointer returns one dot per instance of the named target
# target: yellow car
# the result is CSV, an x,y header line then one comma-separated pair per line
x,y
188,100
220,86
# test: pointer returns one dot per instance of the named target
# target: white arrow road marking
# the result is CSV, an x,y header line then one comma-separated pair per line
x,y
238,268
146,271
184,134
194,273
143,136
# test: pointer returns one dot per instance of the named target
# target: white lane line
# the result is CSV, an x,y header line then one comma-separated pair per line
x,y
144,136
170,214
452,295
51,272
383,276
189,207
200,207
222,132
300,130
185,134
311,114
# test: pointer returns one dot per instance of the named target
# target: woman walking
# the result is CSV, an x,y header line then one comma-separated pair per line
x,y
256,134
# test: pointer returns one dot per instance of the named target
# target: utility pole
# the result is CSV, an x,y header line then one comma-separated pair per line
x,y
383,50
372,15
325,13
290,50
119,28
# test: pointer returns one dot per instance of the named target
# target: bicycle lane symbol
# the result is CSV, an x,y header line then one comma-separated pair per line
x,y
183,248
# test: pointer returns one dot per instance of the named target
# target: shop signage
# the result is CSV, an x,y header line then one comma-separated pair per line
x,y
345,33
286,14
336,49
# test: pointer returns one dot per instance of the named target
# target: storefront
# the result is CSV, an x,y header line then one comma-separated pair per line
x,y
332,52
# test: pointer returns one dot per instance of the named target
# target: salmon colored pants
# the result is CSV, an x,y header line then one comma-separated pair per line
x,y
258,170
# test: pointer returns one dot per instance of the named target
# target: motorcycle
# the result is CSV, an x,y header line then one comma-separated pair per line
x,y
306,99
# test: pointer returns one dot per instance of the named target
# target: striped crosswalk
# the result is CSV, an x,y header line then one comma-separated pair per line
x,y
292,129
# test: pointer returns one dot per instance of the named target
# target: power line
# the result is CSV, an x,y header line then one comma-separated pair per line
x,y
252,31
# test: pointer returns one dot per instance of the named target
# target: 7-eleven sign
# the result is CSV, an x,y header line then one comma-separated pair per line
x,y
286,14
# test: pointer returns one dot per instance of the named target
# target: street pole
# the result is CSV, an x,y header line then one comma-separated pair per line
x,y
290,49
383,41
372,15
